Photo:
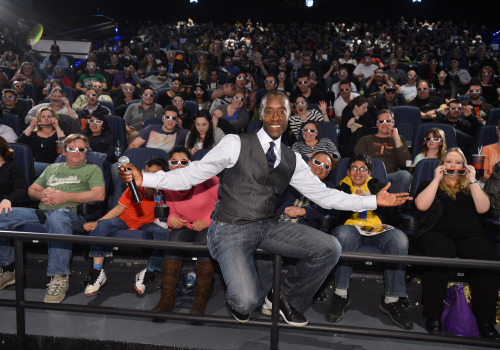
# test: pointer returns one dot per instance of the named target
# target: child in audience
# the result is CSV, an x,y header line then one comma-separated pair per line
x,y
434,145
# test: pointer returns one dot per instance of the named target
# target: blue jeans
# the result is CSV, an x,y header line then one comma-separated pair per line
x,y
400,181
233,246
105,227
60,221
390,242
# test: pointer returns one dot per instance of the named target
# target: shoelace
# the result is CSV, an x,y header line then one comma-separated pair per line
x,y
54,286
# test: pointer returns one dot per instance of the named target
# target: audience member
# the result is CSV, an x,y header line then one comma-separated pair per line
x,y
389,147
189,218
448,209
354,231
128,214
492,155
60,189
356,122
137,113
434,146
42,135
313,143
165,136
203,134
101,139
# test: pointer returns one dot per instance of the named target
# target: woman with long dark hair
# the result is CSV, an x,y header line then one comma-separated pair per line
x,y
202,135
100,136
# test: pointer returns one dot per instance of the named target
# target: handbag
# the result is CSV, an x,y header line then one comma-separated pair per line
x,y
457,317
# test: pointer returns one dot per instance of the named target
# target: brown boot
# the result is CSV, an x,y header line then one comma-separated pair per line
x,y
169,280
204,278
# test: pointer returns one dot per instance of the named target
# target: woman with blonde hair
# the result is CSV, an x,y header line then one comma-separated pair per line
x,y
434,145
449,209
41,135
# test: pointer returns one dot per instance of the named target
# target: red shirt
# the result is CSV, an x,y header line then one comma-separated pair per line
x,y
137,214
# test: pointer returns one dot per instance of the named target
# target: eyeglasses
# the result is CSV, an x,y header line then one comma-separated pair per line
x,y
368,60
363,169
459,172
345,90
433,139
498,128
335,64
422,89
179,162
228,59
393,62
199,92
270,82
98,122
302,82
434,63
91,95
455,108
474,91
175,84
238,98
281,76
92,66
380,122
5,97
343,73
411,75
442,75
312,74
178,101
486,73
147,95
309,131
241,78
169,117
379,74
162,68
76,149
128,90
18,86
58,70
454,62
301,103
150,56
257,57
321,164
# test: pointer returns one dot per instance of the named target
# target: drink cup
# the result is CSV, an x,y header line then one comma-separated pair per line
x,y
478,164
330,111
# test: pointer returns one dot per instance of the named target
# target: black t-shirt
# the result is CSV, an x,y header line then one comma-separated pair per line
x,y
460,218
164,100
432,102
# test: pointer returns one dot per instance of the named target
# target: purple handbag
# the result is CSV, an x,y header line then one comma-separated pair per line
x,y
457,317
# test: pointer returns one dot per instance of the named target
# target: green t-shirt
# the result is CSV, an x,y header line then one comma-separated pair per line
x,y
72,180
86,80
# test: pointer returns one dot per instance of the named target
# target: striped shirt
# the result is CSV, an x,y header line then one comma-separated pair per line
x,y
324,144
296,123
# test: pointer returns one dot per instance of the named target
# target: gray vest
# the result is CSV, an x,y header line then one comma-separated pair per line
x,y
248,191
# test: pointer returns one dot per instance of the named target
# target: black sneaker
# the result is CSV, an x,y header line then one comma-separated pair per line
x,y
337,308
397,313
240,317
291,315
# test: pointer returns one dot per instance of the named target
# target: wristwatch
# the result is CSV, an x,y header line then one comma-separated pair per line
x,y
472,182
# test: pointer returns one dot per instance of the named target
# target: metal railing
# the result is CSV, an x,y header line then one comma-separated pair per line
x,y
20,304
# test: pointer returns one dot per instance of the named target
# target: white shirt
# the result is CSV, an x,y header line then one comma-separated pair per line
x,y
409,91
225,155
339,104
366,71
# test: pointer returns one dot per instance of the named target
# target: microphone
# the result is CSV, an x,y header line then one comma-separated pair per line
x,y
131,185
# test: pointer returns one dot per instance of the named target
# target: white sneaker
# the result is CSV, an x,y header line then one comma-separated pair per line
x,y
142,279
56,289
266,310
97,279
6,278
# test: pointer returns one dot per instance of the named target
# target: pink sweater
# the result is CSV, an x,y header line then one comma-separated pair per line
x,y
194,204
